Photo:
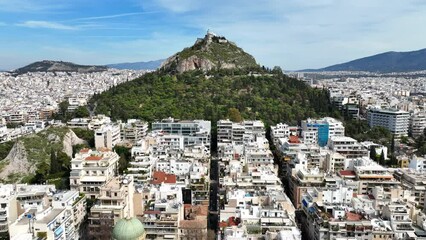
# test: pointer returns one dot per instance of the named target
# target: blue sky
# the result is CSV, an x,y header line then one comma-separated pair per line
x,y
293,34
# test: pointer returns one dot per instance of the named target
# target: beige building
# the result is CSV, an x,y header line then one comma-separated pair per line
x,y
114,202
92,169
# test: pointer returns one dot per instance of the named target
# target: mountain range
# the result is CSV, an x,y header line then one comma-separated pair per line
x,y
383,63
150,65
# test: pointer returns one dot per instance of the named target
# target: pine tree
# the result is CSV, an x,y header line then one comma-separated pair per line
x,y
373,154
382,158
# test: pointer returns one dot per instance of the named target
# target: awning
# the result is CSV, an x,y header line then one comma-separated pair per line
x,y
93,179
58,231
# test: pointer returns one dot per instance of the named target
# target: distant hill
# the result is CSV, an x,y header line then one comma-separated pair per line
x,y
150,65
210,52
58,66
384,62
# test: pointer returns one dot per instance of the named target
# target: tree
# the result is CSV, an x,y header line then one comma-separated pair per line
x,y
81,112
122,164
382,158
373,154
234,115
54,165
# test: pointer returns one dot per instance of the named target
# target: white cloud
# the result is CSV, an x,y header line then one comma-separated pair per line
x,y
46,24
114,16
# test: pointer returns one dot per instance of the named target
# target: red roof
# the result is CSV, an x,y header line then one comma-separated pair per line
x,y
223,224
347,173
294,139
152,212
84,150
162,177
353,216
94,158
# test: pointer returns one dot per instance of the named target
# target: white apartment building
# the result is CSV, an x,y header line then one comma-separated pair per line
x,y
195,132
98,121
417,163
91,169
396,121
107,136
74,202
417,124
75,102
282,130
78,123
228,131
4,136
348,147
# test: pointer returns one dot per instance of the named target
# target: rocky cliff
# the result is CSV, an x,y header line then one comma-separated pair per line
x,y
208,53
31,150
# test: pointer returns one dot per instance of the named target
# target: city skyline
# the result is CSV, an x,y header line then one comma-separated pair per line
x,y
290,34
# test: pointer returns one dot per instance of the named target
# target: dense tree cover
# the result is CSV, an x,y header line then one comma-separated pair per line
x,y
55,172
85,134
420,144
64,115
270,97
5,149
125,157
360,130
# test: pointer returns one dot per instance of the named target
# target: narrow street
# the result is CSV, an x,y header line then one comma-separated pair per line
x,y
213,218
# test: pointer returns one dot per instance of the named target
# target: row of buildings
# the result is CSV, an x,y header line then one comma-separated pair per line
x,y
340,193
252,203
36,95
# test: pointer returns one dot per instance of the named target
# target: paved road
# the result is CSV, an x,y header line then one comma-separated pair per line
x,y
214,198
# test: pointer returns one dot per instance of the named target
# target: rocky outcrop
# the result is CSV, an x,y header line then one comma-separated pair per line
x,y
17,162
210,52
70,139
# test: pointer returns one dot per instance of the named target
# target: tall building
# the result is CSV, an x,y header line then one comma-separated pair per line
x,y
107,136
417,124
396,121
325,128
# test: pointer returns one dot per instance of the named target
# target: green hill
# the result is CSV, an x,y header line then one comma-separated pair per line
x,y
193,95
227,80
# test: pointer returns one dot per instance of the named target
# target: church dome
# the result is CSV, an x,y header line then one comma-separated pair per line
x,y
128,229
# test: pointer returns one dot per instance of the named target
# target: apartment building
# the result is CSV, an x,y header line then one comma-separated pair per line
x,y
282,130
194,132
75,203
396,121
163,211
324,129
348,147
228,131
107,136
417,124
134,130
92,169
115,202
